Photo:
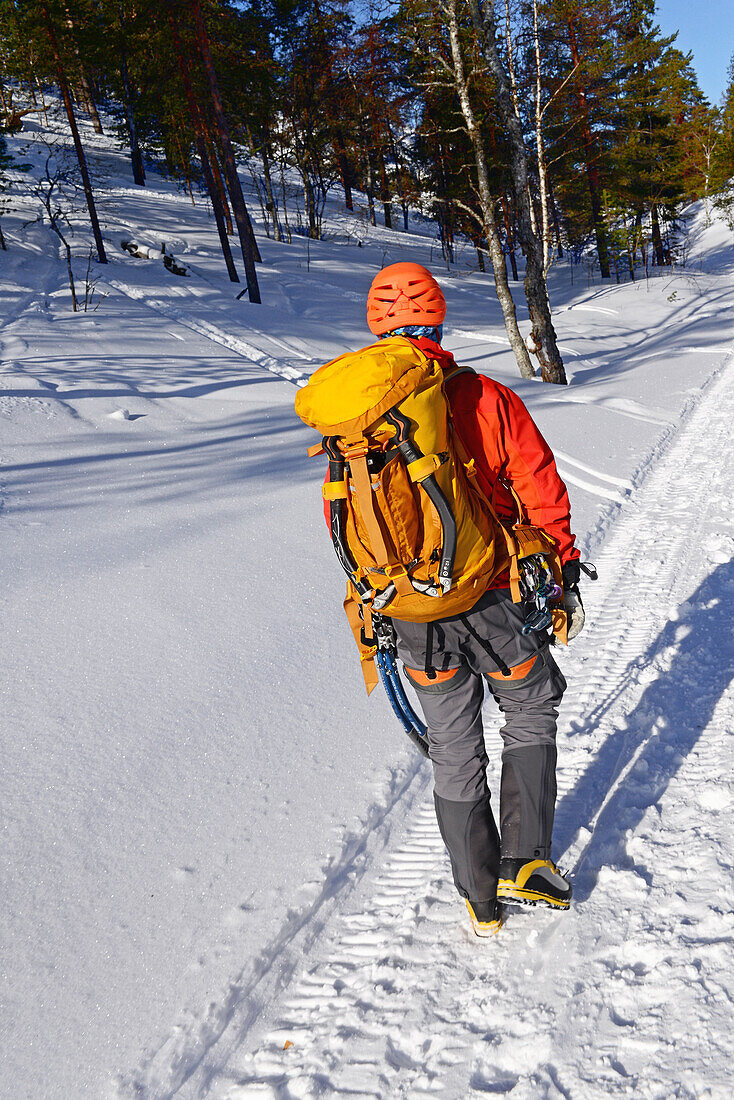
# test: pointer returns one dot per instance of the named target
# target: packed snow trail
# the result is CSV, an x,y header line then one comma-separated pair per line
x,y
180,822
630,994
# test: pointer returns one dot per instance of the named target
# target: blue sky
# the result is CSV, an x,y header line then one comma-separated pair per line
x,y
707,28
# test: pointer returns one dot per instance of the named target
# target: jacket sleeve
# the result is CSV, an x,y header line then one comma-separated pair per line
x,y
498,430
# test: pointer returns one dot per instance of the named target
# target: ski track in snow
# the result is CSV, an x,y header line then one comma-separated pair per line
x,y
584,483
630,994
622,482
219,336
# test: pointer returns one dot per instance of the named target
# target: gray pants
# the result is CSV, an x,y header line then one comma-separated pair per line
x,y
468,652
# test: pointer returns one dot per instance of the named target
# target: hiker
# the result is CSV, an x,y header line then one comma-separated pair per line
x,y
451,656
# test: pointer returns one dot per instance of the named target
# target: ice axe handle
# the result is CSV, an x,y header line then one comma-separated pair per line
x,y
411,453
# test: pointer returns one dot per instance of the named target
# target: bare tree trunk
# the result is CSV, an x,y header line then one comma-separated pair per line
x,y
511,58
219,183
543,334
345,173
214,191
136,157
244,226
67,256
630,234
533,215
640,238
556,224
216,198
657,240
214,165
540,148
185,165
43,101
510,234
285,204
69,108
370,189
277,231
91,105
309,204
385,191
485,198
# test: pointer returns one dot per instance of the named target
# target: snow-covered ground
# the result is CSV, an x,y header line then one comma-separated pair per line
x,y
212,842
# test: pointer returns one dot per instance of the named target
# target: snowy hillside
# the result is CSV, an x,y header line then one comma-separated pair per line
x,y
212,843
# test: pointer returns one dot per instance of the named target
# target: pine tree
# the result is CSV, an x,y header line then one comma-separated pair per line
x,y
723,161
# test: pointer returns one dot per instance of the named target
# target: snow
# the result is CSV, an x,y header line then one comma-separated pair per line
x,y
212,842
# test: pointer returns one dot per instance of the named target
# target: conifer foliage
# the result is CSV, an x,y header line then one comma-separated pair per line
x,y
555,129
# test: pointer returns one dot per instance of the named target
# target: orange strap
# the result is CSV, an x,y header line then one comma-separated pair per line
x,y
356,456
418,676
517,672
515,578
521,516
363,485
560,624
334,490
366,653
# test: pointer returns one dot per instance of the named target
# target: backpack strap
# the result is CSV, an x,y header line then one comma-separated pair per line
x,y
451,372
335,492
355,609
355,453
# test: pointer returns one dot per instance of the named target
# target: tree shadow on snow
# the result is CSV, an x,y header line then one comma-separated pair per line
x,y
660,732
266,448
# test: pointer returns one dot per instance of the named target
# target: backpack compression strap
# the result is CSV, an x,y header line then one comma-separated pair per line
x,y
412,454
337,495
355,453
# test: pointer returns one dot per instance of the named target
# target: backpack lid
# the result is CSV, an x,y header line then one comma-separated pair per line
x,y
352,391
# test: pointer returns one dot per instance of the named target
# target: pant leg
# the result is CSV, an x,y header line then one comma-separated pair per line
x,y
528,785
529,698
452,707
472,841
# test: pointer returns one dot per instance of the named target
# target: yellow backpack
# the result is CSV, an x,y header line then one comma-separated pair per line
x,y
411,527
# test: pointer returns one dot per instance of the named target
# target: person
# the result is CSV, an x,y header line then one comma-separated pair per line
x,y
450,662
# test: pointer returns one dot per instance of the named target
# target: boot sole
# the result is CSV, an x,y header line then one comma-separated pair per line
x,y
519,894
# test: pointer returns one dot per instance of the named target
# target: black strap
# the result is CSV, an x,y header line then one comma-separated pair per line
x,y
503,668
428,668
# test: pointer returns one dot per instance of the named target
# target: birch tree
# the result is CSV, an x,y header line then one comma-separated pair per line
x,y
543,334
486,201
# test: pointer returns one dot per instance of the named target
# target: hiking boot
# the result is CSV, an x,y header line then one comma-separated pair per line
x,y
534,881
486,917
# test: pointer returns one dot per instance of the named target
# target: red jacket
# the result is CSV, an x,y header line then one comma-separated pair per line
x,y
500,434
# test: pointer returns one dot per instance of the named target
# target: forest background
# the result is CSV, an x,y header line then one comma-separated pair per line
x,y
549,128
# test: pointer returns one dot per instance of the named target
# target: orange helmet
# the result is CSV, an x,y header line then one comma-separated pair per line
x,y
404,294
